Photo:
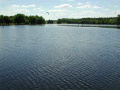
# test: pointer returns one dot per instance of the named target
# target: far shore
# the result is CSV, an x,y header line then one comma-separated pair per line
x,y
74,25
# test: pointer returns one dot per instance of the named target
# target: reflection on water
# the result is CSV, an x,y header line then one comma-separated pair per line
x,y
59,57
91,25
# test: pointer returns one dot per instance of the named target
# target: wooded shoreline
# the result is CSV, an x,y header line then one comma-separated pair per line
x,y
21,19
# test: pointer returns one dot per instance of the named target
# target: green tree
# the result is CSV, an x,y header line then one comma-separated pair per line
x,y
118,19
40,20
2,19
19,18
50,22
6,19
110,20
43,20
27,20
32,19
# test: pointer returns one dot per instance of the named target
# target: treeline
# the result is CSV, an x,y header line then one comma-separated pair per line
x,y
21,19
108,20
51,21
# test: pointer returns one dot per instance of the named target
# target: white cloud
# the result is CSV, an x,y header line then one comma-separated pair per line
x,y
58,10
88,6
85,6
19,9
117,12
63,6
15,6
38,9
70,0
88,13
22,10
23,6
96,7
29,6
80,3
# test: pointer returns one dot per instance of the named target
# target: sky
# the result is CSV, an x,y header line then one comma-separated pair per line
x,y
61,8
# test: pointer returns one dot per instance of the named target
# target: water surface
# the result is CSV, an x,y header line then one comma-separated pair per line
x,y
92,25
59,57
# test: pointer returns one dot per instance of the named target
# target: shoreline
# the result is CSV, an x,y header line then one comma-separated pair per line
x,y
73,25
21,24
92,25
58,24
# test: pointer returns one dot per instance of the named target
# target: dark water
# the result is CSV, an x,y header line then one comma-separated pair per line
x,y
58,57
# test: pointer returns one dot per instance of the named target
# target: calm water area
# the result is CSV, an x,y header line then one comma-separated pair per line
x,y
52,57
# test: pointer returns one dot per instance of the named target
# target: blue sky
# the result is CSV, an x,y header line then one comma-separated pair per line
x,y
61,8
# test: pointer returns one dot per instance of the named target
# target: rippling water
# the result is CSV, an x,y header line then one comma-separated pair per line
x,y
58,57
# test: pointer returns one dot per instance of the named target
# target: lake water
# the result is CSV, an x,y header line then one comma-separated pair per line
x,y
91,25
59,57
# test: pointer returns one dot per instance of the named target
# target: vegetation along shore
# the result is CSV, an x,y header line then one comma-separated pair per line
x,y
21,19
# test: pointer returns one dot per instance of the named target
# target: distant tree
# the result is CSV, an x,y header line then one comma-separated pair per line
x,y
19,18
11,19
2,19
110,20
43,20
118,19
27,20
59,21
40,20
50,22
6,19
36,16
32,19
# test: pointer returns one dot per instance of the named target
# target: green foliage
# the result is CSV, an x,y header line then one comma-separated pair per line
x,y
6,19
40,20
110,20
1,19
11,19
19,19
22,19
118,19
50,22
32,19
26,21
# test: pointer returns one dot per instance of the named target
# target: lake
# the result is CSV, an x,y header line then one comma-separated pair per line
x,y
43,57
